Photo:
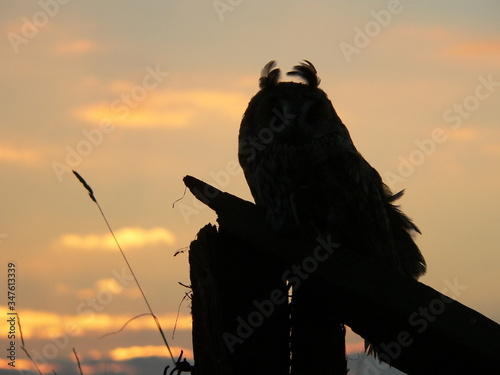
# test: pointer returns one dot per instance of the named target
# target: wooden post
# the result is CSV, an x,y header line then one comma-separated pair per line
x,y
239,307
419,330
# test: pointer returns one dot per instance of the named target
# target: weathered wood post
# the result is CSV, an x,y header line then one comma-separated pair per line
x,y
239,305
389,309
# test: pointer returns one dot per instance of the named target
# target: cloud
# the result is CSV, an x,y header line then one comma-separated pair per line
x,y
21,364
125,353
424,32
110,286
36,323
464,134
157,109
16,155
450,45
75,47
480,51
129,238
48,325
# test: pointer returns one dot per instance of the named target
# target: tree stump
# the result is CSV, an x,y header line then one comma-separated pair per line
x,y
239,306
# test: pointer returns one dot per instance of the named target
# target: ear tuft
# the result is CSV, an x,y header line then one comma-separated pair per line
x,y
269,75
307,72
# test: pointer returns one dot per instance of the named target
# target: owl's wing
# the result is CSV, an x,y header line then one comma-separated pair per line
x,y
341,194
360,208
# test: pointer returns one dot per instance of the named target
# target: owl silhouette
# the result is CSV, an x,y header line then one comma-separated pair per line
x,y
304,171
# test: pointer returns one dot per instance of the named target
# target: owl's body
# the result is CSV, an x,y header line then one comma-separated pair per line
x,y
304,171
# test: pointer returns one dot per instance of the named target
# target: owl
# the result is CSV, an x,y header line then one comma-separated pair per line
x,y
305,173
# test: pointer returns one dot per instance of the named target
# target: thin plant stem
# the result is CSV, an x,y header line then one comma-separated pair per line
x,y
78,361
92,196
23,347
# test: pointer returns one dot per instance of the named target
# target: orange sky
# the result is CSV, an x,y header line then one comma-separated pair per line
x,y
134,96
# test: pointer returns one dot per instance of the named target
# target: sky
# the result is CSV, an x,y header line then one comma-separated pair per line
x,y
135,95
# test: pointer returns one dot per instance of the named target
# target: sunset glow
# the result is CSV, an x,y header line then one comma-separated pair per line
x,y
136,95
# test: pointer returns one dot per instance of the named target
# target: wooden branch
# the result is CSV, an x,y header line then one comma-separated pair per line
x,y
419,330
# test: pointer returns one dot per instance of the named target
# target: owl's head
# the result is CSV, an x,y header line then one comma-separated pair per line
x,y
289,112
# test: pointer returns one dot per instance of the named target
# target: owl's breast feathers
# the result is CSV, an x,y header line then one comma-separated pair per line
x,y
304,170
